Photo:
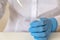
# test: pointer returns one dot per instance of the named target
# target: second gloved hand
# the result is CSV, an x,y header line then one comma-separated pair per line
x,y
41,29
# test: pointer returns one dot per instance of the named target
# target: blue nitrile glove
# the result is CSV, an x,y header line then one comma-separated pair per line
x,y
42,28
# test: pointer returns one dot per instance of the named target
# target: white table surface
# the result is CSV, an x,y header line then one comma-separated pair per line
x,y
24,36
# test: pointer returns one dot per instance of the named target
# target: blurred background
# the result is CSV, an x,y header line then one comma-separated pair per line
x,y
7,10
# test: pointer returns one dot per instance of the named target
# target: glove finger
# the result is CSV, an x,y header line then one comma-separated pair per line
x,y
37,29
45,38
37,23
48,26
48,31
43,34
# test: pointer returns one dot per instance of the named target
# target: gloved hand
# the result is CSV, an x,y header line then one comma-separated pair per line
x,y
41,29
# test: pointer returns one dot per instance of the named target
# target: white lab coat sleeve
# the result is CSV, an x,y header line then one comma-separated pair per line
x,y
16,8
10,25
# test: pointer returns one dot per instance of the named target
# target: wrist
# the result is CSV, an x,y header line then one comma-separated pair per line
x,y
58,20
